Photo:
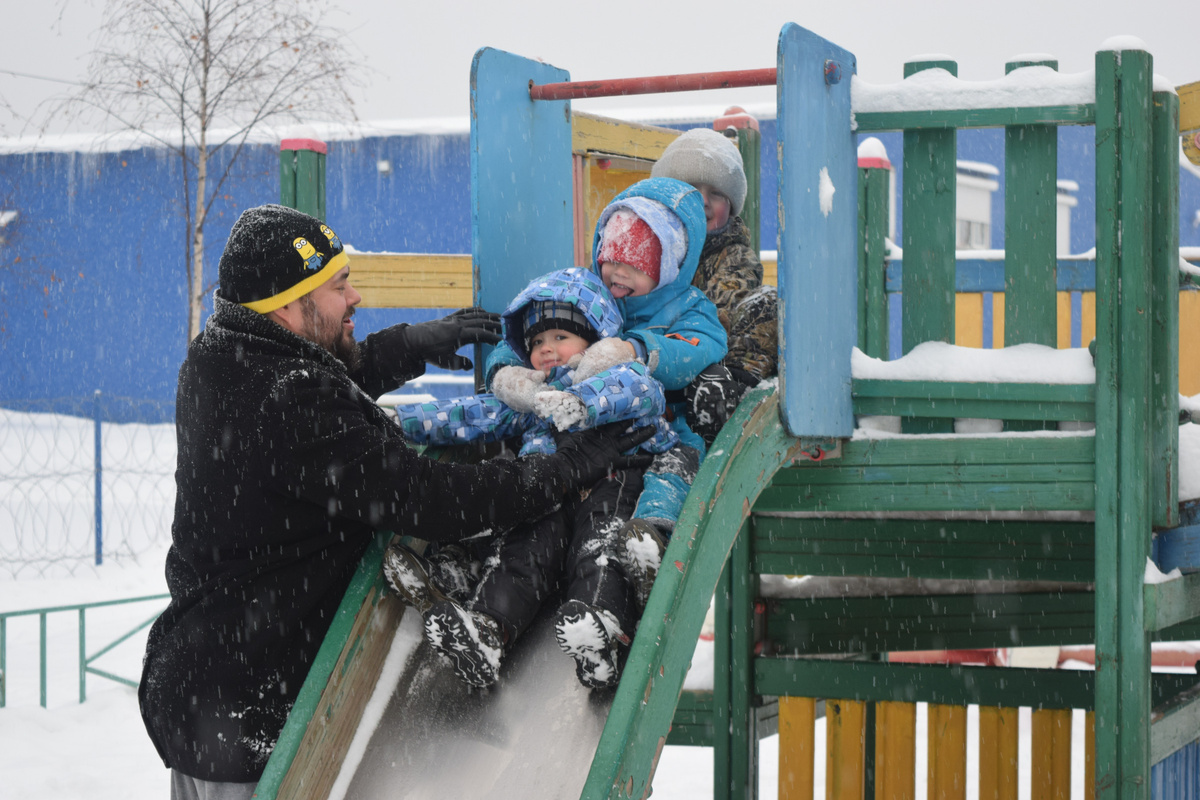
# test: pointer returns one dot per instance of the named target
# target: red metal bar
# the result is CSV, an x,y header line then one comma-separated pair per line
x,y
661,84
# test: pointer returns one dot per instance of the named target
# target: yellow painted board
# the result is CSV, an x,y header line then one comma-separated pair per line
x,y
1088,318
1063,332
845,762
1189,343
1189,119
997,319
998,749
1050,764
1089,756
591,133
797,742
947,751
1189,106
770,271
412,280
604,179
895,751
968,319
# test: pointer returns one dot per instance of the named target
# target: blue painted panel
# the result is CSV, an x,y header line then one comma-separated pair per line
x,y
521,196
818,268
1177,777
1178,547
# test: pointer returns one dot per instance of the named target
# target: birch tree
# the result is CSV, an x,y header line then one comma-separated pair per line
x,y
199,76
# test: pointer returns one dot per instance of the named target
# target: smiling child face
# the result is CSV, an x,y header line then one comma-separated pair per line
x,y
553,348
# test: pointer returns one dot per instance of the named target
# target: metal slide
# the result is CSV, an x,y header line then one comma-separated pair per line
x,y
532,735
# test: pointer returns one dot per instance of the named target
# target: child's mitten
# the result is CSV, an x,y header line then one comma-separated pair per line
x,y
602,355
564,408
516,386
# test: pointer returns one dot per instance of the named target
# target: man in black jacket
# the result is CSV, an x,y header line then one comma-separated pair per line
x,y
286,467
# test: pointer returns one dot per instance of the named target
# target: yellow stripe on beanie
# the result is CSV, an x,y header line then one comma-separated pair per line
x,y
302,288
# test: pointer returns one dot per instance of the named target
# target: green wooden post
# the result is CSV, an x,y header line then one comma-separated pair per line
x,y
302,175
1030,236
1164,503
1123,380
1030,230
873,187
723,723
930,192
750,143
735,735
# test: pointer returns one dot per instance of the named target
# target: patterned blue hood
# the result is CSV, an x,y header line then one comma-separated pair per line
x,y
577,286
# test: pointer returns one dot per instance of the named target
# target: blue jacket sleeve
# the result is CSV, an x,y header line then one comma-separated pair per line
x,y
472,418
501,356
627,392
687,345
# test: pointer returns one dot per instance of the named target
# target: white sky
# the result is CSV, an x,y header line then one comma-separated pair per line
x,y
419,53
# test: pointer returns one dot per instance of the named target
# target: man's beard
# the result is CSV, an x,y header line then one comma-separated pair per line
x,y
329,334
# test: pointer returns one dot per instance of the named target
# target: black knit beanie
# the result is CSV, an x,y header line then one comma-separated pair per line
x,y
556,315
275,255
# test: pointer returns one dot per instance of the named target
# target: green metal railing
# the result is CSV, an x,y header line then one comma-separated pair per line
x,y
85,661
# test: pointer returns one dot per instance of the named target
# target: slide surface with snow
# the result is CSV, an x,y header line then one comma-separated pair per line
x,y
534,734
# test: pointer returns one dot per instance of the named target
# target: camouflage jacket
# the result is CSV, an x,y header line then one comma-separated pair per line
x,y
730,274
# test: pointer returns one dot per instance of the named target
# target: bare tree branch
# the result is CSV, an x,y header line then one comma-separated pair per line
x,y
193,68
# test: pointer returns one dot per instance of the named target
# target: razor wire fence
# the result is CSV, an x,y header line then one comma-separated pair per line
x,y
84,481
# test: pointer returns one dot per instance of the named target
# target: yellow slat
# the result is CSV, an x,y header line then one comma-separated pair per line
x,y
895,751
591,133
797,742
947,752
968,319
1189,106
1087,327
998,748
1189,343
1089,756
1050,764
845,761
412,280
1063,333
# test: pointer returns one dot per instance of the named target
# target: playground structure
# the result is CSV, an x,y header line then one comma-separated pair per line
x,y
790,488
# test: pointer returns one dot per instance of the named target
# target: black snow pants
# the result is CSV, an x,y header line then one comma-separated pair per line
x,y
567,555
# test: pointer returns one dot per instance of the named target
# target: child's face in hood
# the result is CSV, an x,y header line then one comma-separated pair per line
x,y
553,348
624,280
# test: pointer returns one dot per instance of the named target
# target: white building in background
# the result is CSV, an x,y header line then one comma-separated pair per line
x,y
1066,201
977,182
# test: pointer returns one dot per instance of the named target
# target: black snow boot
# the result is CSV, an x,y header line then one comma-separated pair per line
x,y
640,548
593,637
422,581
470,639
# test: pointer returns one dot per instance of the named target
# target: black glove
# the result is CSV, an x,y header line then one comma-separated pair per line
x,y
436,341
593,454
712,398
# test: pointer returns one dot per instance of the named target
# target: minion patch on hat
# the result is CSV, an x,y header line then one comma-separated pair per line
x,y
332,237
312,259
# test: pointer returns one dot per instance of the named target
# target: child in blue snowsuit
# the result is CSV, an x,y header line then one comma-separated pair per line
x,y
646,248
549,326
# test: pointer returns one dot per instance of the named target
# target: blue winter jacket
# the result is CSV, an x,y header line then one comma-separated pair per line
x,y
625,391
675,323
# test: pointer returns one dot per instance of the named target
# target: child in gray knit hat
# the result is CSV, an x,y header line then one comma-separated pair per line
x,y
730,274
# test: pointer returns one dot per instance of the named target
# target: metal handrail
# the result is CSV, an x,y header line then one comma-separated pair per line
x,y
85,660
